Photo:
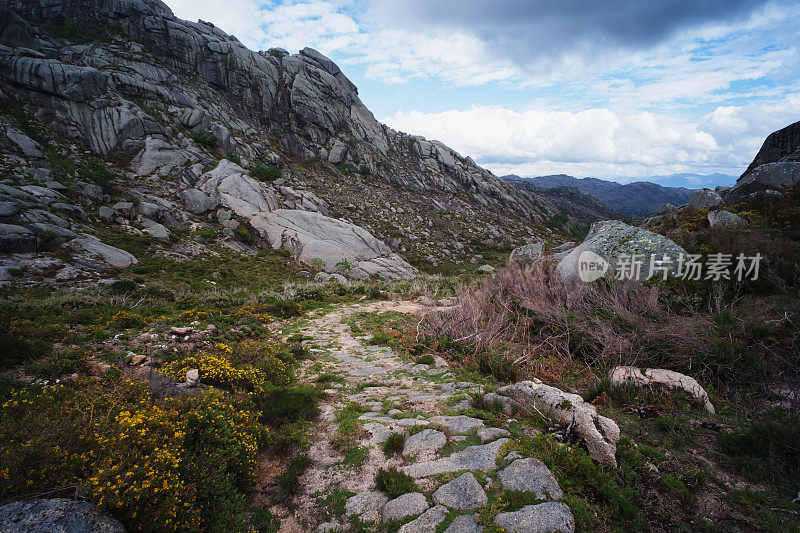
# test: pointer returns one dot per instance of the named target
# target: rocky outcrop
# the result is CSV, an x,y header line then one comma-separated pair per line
x,y
704,198
615,243
330,243
533,398
775,166
527,254
668,379
59,514
237,191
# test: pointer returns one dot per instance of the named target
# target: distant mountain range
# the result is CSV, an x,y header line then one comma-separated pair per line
x,y
631,199
694,181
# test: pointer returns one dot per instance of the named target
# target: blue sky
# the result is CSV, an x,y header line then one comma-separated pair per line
x,y
617,89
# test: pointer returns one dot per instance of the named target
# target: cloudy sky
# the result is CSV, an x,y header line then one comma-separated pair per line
x,y
617,89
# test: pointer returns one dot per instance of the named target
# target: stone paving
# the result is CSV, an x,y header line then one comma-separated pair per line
x,y
456,460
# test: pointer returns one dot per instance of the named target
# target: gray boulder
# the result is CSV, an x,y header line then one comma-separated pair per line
x,y
14,238
534,398
150,210
704,198
463,493
409,504
486,269
107,253
481,457
157,231
106,214
237,191
548,517
526,255
611,241
53,77
28,146
458,423
198,202
309,236
56,515
724,219
531,475
158,153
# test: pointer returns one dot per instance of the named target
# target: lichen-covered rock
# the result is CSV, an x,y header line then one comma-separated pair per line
x,y
427,522
465,523
198,202
548,517
598,433
107,253
614,242
55,515
424,444
481,457
367,506
531,475
463,493
527,254
666,378
409,504
724,219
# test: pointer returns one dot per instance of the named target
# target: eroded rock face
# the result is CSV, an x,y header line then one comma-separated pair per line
x,y
312,236
613,240
667,378
237,191
598,433
766,177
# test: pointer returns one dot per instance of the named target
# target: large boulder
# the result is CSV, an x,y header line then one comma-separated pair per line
x,y
237,191
28,146
533,398
616,244
159,153
548,517
55,515
51,76
527,254
314,237
107,253
704,198
724,219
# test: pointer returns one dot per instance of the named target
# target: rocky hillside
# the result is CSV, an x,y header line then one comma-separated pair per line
x,y
120,117
582,207
631,199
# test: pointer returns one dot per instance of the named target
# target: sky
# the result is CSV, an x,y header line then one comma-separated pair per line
x,y
618,89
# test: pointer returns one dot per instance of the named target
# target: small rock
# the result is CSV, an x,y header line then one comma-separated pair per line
x,y
181,330
548,517
465,523
192,377
106,214
367,506
426,442
463,493
458,423
409,504
531,475
486,269
137,360
427,523
490,434
394,412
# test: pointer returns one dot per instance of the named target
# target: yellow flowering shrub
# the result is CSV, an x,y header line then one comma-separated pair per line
x,y
121,320
217,370
253,311
179,464
191,315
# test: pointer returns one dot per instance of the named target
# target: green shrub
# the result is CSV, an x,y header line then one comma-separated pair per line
x,y
205,139
122,286
356,456
394,483
288,481
394,444
425,359
264,521
380,337
280,405
95,171
263,172
230,156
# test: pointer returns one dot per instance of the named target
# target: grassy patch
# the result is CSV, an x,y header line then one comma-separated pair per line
x,y
394,483
394,444
288,481
349,426
356,456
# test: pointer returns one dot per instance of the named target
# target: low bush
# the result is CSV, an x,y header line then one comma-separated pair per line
x,y
263,172
394,483
394,443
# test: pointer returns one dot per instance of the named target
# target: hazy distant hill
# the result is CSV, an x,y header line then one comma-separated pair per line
x,y
631,199
694,181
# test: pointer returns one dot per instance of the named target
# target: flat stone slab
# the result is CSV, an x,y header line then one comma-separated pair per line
x,y
490,434
458,423
367,506
465,523
531,475
463,493
409,504
375,417
481,457
378,431
548,517
427,522
411,422
426,442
